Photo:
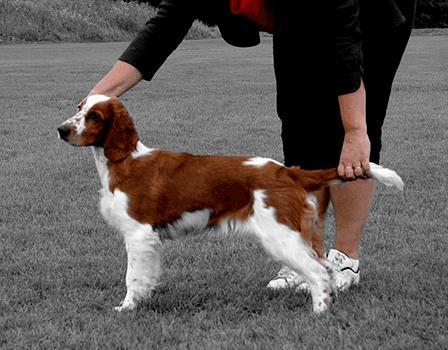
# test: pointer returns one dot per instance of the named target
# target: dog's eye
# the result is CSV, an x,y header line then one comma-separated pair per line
x,y
94,116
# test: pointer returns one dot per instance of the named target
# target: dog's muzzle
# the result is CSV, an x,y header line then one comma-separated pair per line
x,y
63,132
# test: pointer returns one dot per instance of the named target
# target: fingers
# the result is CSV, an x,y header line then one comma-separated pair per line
x,y
349,173
341,170
358,171
366,168
353,172
346,172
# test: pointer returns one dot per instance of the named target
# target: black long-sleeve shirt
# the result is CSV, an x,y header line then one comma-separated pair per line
x,y
347,65
163,33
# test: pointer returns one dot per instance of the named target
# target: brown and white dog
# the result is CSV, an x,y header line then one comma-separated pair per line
x,y
150,194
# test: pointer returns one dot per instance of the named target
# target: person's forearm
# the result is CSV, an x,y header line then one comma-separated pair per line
x,y
354,161
120,79
353,110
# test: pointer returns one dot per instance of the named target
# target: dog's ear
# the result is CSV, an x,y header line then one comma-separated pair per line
x,y
121,138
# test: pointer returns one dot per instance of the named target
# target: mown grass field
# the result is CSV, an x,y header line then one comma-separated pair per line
x,y
62,270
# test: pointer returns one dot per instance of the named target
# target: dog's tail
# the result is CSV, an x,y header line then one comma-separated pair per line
x,y
386,176
313,180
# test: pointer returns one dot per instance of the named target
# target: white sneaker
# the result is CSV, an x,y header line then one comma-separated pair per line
x,y
287,278
345,270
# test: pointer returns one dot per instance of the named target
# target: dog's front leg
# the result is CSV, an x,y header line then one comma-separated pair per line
x,y
143,248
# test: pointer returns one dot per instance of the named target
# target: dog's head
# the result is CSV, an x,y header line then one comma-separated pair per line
x,y
101,121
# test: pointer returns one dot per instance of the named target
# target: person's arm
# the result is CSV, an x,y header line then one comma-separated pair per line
x,y
354,160
120,79
147,52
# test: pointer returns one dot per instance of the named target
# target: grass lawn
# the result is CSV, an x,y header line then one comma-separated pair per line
x,y
62,270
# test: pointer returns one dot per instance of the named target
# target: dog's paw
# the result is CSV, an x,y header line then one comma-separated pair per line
x,y
303,287
321,306
125,306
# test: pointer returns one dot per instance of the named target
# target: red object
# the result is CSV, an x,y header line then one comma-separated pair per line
x,y
256,10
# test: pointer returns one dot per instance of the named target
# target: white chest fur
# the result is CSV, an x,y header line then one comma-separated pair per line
x,y
114,205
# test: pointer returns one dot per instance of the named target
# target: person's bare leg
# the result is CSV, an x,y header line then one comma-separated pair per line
x,y
351,204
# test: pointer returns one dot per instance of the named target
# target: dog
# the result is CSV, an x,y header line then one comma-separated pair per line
x,y
149,195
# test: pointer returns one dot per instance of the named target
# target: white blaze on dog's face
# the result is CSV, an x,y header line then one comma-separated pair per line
x,y
86,127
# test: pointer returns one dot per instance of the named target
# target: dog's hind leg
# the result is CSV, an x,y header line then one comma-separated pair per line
x,y
143,248
287,246
322,198
293,252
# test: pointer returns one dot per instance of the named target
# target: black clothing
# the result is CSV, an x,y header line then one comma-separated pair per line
x,y
312,130
164,32
383,48
307,83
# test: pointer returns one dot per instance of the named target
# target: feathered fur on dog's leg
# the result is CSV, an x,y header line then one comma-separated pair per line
x,y
143,267
291,249
322,199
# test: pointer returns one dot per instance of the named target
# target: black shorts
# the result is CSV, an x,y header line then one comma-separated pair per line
x,y
312,131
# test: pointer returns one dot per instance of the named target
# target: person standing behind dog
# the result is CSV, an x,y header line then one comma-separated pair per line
x,y
371,37
322,106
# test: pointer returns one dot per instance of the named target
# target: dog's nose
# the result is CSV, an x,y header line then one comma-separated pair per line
x,y
63,132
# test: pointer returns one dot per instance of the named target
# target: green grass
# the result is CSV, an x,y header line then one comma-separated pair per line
x,y
62,269
78,21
